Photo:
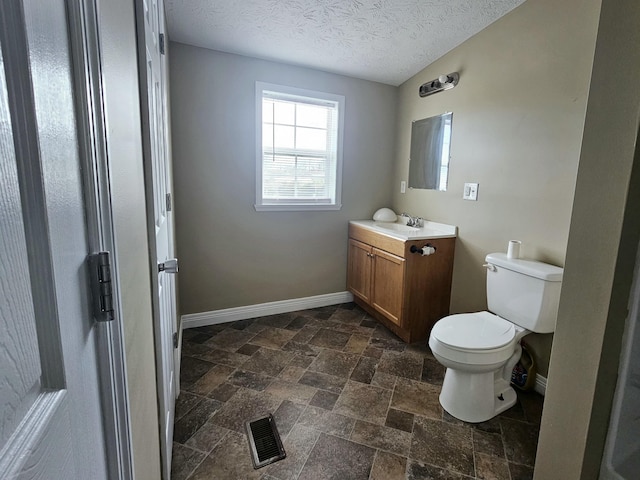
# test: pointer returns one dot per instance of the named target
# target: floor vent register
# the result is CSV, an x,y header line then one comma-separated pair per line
x,y
264,441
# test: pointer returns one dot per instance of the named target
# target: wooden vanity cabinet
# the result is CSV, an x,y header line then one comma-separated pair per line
x,y
359,270
377,278
405,291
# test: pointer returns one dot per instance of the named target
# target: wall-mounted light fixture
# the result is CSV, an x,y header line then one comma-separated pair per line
x,y
443,82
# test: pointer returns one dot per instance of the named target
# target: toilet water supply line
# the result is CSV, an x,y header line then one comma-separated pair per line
x,y
428,249
511,363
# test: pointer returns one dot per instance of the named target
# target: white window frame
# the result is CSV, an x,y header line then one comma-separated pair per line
x,y
297,205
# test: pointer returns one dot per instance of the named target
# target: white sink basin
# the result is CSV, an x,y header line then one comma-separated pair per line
x,y
396,227
405,232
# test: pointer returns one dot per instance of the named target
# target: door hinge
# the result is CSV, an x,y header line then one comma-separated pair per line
x,y
101,286
161,42
168,200
175,339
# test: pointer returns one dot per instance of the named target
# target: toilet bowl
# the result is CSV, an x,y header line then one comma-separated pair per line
x,y
479,350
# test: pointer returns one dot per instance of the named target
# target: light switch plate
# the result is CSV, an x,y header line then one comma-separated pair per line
x,y
403,186
470,191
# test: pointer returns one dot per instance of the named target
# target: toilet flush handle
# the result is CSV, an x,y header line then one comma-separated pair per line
x,y
490,267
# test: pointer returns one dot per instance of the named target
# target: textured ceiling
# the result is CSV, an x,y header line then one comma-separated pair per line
x,y
386,41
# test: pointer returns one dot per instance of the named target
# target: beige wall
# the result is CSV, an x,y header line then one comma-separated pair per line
x,y
603,240
120,80
518,116
231,255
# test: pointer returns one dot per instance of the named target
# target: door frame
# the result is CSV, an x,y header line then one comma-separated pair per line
x,y
84,36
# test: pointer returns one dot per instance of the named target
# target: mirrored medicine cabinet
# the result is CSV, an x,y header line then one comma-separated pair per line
x,y
430,152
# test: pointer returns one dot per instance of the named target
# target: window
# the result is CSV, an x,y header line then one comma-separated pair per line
x,y
299,148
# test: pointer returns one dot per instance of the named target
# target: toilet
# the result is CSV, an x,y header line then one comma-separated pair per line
x,y
479,350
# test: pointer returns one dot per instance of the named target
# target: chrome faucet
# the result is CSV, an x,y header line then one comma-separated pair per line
x,y
413,221
416,222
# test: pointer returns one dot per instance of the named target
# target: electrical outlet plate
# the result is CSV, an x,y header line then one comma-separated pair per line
x,y
470,191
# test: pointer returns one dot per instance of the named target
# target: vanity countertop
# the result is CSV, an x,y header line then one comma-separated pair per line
x,y
404,232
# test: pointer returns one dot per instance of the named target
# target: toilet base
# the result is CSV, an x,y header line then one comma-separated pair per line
x,y
476,397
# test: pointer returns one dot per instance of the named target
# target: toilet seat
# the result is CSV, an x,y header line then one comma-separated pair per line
x,y
473,341
474,331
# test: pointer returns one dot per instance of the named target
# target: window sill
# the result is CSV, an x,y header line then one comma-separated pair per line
x,y
295,207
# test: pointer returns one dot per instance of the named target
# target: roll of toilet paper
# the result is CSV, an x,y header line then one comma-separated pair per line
x,y
428,250
513,250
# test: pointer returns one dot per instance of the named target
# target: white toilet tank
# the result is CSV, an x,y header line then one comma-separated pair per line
x,y
525,292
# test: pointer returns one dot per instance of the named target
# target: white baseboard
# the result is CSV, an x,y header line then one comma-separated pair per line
x,y
541,385
214,317
177,362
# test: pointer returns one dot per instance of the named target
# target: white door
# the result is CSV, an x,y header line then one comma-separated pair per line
x,y
50,413
166,321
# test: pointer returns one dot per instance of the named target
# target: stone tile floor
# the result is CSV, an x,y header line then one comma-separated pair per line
x,y
350,399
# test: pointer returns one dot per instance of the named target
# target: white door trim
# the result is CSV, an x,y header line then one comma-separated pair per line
x,y
86,55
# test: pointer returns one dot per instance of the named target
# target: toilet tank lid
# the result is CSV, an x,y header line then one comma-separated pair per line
x,y
533,268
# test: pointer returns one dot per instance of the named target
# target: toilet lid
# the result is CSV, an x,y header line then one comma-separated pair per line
x,y
477,331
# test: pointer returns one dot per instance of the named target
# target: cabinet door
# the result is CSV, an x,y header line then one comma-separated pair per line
x,y
359,270
388,285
